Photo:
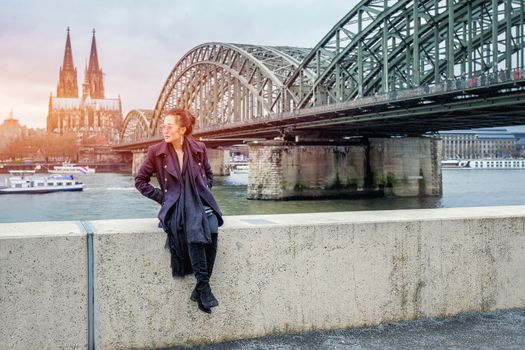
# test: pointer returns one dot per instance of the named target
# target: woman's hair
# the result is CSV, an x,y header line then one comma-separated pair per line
x,y
183,118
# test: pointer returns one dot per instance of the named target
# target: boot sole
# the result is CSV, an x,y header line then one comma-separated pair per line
x,y
203,309
210,305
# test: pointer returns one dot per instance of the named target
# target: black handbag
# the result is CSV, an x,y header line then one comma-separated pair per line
x,y
212,219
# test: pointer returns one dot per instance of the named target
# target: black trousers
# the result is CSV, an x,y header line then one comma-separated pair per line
x,y
202,257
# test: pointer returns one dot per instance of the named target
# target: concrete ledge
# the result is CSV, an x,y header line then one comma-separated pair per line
x,y
300,272
274,274
43,286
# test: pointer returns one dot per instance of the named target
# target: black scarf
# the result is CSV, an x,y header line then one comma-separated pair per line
x,y
187,221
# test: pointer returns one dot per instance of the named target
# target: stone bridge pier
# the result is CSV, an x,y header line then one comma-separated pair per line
x,y
219,159
385,166
138,159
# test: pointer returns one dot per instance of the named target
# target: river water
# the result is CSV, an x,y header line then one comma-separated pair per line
x,y
113,196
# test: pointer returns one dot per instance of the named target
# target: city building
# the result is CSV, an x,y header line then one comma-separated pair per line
x,y
519,133
482,143
11,129
91,116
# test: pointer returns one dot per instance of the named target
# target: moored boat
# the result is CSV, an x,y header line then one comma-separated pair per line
x,y
240,169
495,164
68,168
25,181
485,164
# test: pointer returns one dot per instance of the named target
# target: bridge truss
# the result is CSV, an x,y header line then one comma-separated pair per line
x,y
136,126
381,49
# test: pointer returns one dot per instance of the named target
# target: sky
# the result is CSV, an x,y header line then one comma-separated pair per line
x,y
138,42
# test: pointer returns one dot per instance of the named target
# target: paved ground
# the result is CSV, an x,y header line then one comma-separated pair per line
x,y
492,330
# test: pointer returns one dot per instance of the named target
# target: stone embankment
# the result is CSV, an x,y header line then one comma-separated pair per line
x,y
274,274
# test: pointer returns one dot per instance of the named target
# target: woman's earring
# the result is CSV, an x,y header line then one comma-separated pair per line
x,y
181,139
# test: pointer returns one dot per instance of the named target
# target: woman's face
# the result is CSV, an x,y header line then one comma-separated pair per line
x,y
171,131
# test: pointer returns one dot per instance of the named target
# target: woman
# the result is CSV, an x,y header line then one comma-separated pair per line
x,y
189,214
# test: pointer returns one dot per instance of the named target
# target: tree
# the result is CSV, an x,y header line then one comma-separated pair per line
x,y
50,146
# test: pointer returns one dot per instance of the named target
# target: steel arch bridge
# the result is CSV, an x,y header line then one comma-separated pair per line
x,y
419,49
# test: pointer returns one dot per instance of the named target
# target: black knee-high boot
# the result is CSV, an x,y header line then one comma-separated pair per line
x,y
202,259
211,253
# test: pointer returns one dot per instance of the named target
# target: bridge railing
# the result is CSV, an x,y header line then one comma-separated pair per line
x,y
458,84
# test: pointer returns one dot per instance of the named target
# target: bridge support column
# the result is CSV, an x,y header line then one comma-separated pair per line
x,y
219,159
283,171
394,166
138,159
408,166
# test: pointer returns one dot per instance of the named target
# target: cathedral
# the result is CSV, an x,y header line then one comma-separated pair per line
x,y
94,118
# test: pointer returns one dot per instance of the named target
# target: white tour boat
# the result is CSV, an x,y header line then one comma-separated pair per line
x,y
25,181
495,164
484,164
68,168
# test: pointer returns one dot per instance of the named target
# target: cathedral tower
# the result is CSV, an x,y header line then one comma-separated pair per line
x,y
67,82
94,75
92,118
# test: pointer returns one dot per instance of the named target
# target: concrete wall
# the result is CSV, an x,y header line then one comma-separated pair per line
x,y
274,273
92,155
43,286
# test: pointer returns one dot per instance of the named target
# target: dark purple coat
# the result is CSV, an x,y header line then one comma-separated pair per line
x,y
159,162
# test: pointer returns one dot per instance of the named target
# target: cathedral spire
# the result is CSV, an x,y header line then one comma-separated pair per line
x,y
67,83
68,54
93,56
94,74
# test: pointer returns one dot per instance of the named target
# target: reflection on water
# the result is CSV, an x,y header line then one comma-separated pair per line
x,y
231,194
113,196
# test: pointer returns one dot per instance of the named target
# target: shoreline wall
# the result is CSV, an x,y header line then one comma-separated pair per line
x,y
274,274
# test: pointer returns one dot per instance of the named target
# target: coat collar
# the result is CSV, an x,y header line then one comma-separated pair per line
x,y
195,146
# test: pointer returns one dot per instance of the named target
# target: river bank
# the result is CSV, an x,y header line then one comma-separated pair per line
x,y
124,168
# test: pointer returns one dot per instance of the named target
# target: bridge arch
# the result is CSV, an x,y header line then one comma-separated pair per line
x,y
226,83
136,126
